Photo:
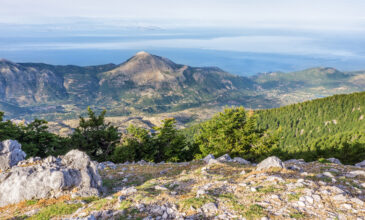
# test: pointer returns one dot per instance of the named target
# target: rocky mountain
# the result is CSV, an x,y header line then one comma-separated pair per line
x,y
309,84
149,84
144,83
22,85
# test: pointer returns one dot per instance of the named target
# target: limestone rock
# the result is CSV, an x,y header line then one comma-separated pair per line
x,y
241,161
361,164
334,160
75,174
210,208
224,158
10,154
208,158
356,173
212,161
269,163
295,161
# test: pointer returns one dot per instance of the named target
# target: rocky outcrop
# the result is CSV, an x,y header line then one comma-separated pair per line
x,y
74,174
208,158
196,190
241,161
224,158
334,160
361,164
270,162
10,154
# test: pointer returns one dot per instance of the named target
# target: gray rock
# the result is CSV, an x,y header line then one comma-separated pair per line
x,y
10,154
208,158
361,164
213,161
270,162
128,191
356,173
357,201
50,159
241,161
200,192
340,198
76,175
334,160
328,174
161,188
294,167
210,208
224,158
142,162
295,161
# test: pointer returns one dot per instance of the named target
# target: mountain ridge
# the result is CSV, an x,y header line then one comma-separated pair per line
x,y
147,83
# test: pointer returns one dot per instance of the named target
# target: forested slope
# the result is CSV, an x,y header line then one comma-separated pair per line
x,y
321,126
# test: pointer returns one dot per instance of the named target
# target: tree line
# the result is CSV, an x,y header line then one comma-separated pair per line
x,y
329,127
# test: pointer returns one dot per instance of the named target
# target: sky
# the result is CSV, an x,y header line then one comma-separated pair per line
x,y
241,36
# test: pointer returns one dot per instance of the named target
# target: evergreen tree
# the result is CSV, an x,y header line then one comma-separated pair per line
x,y
36,140
95,136
234,132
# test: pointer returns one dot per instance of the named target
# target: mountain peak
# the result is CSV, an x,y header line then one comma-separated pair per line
x,y
142,54
5,62
2,60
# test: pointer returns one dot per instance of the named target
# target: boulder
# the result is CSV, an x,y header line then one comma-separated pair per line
x,y
10,154
295,161
75,174
361,164
224,158
356,173
212,161
208,158
334,160
241,161
270,162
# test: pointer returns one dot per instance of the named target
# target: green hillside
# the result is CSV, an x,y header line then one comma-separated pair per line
x,y
318,126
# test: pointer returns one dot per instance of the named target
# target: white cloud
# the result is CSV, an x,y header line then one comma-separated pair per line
x,y
312,14
257,44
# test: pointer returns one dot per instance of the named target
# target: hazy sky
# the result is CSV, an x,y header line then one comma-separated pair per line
x,y
326,28
327,14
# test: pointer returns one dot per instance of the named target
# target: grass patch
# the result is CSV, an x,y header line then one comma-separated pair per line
x,y
99,204
323,178
125,204
268,189
108,183
297,215
31,202
324,161
254,211
233,201
195,202
147,185
55,210
294,196
90,199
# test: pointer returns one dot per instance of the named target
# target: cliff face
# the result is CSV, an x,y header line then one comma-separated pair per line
x,y
26,85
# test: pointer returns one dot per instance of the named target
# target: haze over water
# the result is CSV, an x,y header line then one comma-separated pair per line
x,y
245,38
